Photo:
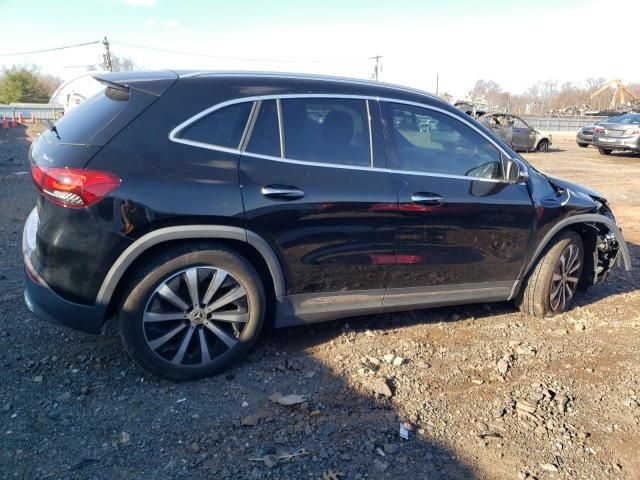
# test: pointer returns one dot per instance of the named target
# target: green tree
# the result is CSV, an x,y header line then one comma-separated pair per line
x,y
26,84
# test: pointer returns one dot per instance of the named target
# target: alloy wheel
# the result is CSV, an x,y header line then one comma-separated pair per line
x,y
195,315
564,282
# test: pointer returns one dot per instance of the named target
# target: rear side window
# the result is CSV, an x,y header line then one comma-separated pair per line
x,y
433,142
223,127
265,136
326,130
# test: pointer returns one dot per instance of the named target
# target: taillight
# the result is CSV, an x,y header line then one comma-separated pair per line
x,y
73,187
598,130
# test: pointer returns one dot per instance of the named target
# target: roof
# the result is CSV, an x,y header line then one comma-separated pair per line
x,y
301,76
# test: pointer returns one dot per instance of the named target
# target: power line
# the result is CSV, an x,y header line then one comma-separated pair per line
x,y
48,49
244,59
56,67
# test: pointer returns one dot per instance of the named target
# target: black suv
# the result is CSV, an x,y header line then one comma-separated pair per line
x,y
197,206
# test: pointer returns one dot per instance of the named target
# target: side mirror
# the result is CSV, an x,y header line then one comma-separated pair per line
x,y
517,172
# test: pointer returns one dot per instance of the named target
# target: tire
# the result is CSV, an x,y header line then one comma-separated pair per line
x,y
583,145
543,146
604,151
190,342
537,293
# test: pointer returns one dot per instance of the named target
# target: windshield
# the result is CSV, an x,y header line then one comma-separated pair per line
x,y
629,118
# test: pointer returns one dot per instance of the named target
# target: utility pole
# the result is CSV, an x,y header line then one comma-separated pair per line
x,y
377,68
437,84
107,56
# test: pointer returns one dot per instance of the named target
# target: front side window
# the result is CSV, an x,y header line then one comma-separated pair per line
x,y
519,123
326,130
447,146
223,127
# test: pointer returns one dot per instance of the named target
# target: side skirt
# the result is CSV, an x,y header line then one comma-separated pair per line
x,y
310,308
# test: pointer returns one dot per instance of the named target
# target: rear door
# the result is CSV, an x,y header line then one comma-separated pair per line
x,y
310,189
462,228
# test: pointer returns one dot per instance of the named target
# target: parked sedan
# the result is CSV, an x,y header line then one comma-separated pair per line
x,y
197,207
584,137
517,133
619,133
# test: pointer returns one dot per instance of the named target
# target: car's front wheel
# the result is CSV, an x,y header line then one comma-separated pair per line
x,y
604,151
583,145
550,288
543,146
192,312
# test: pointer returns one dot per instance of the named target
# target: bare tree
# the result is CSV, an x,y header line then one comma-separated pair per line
x,y
123,64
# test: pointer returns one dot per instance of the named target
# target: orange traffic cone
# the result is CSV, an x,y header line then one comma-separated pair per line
x,y
13,122
5,124
20,118
33,118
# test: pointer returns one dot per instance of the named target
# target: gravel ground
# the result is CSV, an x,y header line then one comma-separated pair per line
x,y
482,390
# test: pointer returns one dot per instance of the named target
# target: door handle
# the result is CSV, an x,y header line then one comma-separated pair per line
x,y
283,192
427,199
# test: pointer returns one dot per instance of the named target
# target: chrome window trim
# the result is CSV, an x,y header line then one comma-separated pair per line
x,y
280,127
249,125
173,135
370,133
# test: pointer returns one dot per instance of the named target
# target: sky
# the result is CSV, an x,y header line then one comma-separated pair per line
x,y
512,42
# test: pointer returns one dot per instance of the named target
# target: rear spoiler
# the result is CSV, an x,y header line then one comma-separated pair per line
x,y
154,82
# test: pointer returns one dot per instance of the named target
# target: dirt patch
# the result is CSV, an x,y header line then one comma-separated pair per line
x,y
482,390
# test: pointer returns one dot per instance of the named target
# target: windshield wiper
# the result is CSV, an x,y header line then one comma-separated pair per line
x,y
53,128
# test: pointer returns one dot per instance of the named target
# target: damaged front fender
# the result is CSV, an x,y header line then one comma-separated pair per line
x,y
609,247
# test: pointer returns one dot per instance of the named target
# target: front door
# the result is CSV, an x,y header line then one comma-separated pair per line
x,y
524,137
460,224
316,198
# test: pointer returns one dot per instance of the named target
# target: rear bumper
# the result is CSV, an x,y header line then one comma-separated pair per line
x,y
580,138
44,302
48,306
618,143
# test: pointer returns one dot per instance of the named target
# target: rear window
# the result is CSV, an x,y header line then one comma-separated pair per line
x,y
223,127
82,123
326,130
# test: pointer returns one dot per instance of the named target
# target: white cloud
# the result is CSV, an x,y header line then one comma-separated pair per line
x,y
171,23
150,22
140,3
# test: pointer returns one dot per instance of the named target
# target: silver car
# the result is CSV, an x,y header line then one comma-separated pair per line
x,y
620,133
584,137
517,133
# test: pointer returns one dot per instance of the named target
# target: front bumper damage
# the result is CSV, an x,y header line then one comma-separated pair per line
x,y
606,253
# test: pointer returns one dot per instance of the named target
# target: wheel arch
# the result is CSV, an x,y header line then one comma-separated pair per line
x,y
247,243
540,140
583,224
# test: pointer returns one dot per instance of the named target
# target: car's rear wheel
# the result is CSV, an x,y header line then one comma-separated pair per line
x,y
583,145
550,288
192,312
543,146
604,151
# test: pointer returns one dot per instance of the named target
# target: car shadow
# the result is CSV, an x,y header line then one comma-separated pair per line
x,y
85,410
